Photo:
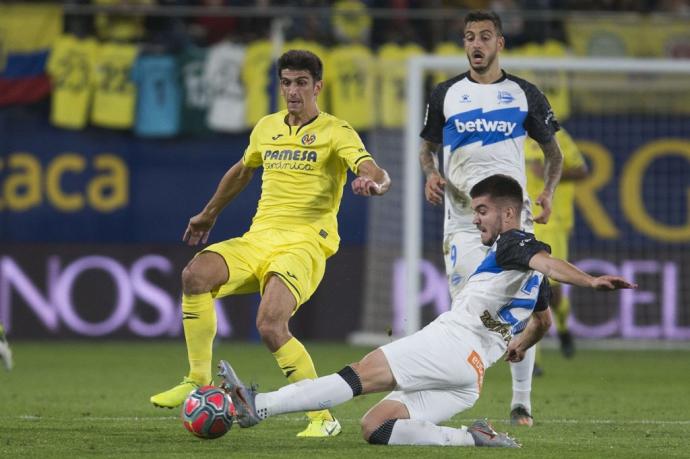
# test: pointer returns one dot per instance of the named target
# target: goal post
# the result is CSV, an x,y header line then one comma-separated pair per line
x,y
627,97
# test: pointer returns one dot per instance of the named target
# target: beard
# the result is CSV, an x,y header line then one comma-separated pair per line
x,y
485,65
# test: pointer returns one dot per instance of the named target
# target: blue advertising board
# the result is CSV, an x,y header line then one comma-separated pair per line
x,y
100,185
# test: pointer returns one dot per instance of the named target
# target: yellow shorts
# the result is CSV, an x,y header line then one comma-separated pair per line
x,y
298,260
556,238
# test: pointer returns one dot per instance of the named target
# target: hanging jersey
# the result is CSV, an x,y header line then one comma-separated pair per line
x,y
195,98
260,85
499,297
351,75
115,93
222,73
392,61
158,104
305,169
562,212
70,64
482,128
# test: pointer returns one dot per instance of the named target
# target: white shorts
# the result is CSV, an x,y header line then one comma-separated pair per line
x,y
463,251
437,374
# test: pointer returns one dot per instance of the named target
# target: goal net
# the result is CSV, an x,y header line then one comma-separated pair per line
x,y
631,120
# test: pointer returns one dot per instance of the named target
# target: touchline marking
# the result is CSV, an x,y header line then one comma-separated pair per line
x,y
299,419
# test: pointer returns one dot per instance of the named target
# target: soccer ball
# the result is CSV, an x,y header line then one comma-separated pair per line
x,y
208,412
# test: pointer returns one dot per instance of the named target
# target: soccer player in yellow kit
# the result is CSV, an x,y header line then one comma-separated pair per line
x,y
559,227
305,155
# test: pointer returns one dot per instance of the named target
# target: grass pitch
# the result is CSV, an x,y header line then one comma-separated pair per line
x,y
90,399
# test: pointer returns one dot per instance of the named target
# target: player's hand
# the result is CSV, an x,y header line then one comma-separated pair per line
x,y
611,283
198,229
544,201
514,353
434,188
364,186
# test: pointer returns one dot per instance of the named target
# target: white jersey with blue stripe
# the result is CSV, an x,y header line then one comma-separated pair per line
x,y
482,128
499,297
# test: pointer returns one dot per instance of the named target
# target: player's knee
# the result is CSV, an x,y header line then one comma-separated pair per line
x,y
368,425
193,282
270,330
375,432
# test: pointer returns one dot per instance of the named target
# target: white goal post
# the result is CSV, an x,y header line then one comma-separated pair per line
x,y
413,185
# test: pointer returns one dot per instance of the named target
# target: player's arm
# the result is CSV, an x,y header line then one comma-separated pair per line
x,y
435,183
371,179
232,183
562,271
553,167
537,326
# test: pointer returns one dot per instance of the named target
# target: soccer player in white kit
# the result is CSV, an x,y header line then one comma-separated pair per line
x,y
438,371
481,119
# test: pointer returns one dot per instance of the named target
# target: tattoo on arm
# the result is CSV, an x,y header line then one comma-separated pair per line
x,y
428,157
553,164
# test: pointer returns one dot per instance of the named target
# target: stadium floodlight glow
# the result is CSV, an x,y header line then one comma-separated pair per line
x,y
413,188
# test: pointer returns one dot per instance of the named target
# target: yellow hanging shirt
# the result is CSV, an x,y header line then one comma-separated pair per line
x,y
70,65
115,94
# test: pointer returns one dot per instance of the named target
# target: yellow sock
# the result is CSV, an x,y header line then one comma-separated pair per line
x,y
199,322
562,313
296,364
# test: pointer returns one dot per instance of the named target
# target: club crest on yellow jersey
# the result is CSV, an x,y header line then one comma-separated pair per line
x,y
308,139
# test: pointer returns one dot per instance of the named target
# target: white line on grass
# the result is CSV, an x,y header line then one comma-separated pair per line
x,y
295,419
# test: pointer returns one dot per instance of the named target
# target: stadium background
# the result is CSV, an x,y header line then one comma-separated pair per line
x,y
92,209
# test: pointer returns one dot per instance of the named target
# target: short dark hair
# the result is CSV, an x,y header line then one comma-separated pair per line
x,y
485,15
499,187
299,59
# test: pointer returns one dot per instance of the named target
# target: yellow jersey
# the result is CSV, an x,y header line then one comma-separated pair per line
x,y
257,80
562,213
393,76
305,169
70,65
115,93
351,75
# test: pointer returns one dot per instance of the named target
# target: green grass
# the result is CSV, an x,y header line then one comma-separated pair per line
x,y
91,400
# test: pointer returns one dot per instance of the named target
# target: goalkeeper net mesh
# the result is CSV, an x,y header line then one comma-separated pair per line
x,y
631,121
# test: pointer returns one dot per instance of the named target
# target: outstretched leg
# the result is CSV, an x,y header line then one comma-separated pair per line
x,y
371,374
412,418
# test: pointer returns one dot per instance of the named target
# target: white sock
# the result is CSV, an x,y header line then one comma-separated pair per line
x,y
522,380
413,432
306,395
